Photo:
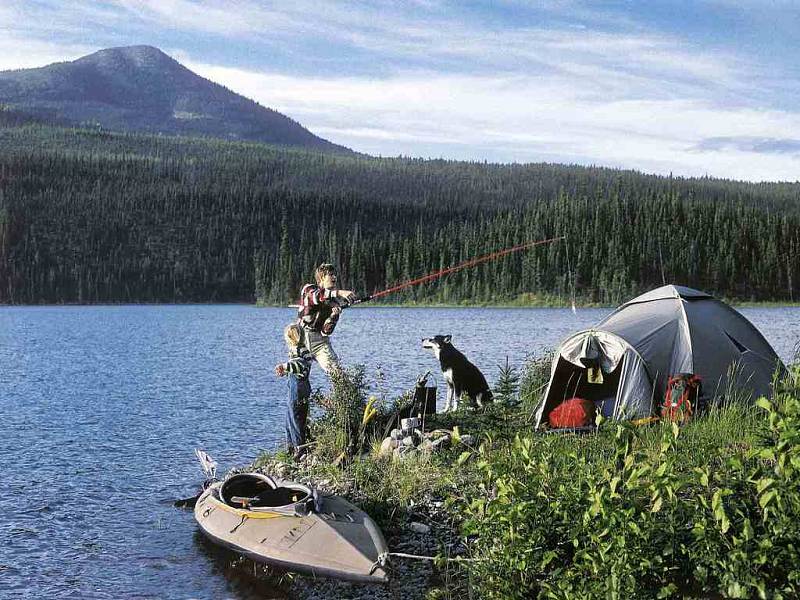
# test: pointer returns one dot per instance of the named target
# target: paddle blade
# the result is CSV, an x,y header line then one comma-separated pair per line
x,y
208,464
187,502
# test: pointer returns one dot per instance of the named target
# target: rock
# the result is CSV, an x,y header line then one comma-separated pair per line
x,y
396,434
407,441
387,446
467,439
418,527
442,442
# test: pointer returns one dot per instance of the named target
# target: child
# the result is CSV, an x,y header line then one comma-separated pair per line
x,y
320,307
296,370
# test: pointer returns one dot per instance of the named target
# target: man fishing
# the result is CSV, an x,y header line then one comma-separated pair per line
x,y
321,304
319,310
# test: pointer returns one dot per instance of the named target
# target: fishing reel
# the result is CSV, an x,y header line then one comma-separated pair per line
x,y
359,300
330,323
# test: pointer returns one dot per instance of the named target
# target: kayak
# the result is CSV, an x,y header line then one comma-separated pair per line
x,y
291,526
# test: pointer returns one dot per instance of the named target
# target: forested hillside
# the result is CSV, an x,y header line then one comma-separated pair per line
x,y
100,217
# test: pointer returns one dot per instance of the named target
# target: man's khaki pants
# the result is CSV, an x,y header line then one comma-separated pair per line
x,y
320,346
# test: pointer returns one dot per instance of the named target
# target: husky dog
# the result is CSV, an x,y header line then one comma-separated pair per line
x,y
460,374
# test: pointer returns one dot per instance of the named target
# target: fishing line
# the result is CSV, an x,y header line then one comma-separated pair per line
x,y
469,263
569,275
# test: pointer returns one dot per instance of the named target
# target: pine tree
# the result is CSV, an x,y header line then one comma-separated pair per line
x,y
507,386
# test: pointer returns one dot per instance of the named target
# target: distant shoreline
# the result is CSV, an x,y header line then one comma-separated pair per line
x,y
463,304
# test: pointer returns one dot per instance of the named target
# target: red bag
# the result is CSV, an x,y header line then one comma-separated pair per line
x,y
681,399
575,412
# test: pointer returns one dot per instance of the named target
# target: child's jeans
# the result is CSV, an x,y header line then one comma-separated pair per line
x,y
297,410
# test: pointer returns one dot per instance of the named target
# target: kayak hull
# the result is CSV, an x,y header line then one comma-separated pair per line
x,y
337,539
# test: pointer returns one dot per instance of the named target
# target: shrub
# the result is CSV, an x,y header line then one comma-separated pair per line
x,y
338,432
712,508
535,375
351,420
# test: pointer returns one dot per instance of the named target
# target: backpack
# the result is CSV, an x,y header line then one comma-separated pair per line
x,y
681,398
575,412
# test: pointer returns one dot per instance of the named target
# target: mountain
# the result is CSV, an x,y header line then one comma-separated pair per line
x,y
140,88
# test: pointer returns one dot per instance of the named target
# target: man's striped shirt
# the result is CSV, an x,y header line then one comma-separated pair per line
x,y
316,306
312,295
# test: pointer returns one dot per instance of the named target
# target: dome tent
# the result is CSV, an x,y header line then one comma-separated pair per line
x,y
644,342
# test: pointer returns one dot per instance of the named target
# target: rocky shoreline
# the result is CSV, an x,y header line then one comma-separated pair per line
x,y
423,529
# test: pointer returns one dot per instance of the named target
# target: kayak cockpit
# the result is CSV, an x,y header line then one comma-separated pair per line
x,y
257,492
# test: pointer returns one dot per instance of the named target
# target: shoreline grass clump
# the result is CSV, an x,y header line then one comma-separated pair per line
x,y
344,450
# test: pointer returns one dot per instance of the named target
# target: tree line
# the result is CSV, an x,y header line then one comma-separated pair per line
x,y
90,217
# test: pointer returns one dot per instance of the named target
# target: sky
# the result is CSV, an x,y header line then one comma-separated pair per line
x,y
707,87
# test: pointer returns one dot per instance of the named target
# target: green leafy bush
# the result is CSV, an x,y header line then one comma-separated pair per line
x,y
709,509
352,420
535,375
338,432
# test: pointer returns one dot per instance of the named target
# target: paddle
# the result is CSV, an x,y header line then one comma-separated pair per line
x,y
209,466
187,502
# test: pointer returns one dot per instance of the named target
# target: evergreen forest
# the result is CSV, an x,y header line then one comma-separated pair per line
x,y
88,216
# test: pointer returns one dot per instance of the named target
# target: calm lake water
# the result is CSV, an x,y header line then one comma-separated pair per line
x,y
101,408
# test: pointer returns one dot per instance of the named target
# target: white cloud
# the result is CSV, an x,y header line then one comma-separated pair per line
x,y
230,18
24,53
518,119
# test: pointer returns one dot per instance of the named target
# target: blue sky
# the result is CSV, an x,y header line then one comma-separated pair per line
x,y
693,88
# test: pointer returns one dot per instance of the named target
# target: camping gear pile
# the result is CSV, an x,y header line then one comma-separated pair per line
x,y
410,439
683,397
657,346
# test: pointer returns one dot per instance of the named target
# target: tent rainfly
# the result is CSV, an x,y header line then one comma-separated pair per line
x,y
639,346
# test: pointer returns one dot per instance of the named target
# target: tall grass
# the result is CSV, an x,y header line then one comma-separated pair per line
x,y
535,376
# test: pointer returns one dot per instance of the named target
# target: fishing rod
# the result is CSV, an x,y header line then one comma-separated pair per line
x,y
469,263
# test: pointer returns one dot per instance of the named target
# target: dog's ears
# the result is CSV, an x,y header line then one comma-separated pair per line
x,y
447,339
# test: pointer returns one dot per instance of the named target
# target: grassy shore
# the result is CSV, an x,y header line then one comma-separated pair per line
x,y
708,509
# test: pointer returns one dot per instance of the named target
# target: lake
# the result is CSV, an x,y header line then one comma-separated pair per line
x,y
103,406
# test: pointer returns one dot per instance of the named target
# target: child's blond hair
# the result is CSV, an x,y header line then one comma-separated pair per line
x,y
292,334
323,270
